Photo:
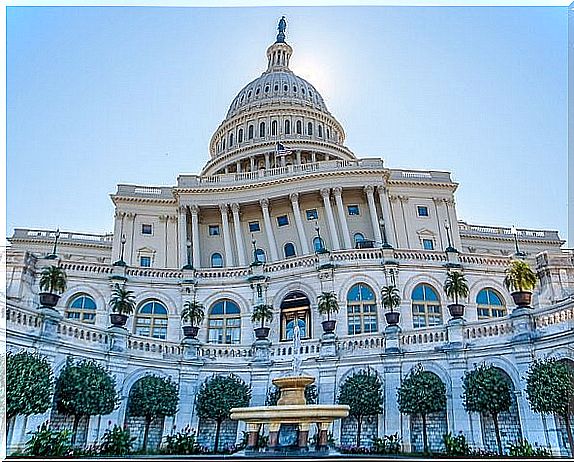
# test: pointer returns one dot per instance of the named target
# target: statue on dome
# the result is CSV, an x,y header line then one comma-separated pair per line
x,y
281,28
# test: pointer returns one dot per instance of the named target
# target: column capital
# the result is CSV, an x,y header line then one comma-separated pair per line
x,y
163,218
382,190
172,218
264,203
294,197
337,191
325,192
369,189
119,214
235,207
182,208
194,209
130,215
437,200
403,198
223,208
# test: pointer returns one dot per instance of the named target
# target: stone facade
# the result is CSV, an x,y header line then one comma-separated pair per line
x,y
380,225
436,427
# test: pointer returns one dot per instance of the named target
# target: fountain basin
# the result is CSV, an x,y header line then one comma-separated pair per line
x,y
290,413
292,389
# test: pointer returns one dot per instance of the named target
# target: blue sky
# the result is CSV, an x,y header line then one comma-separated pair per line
x,y
101,96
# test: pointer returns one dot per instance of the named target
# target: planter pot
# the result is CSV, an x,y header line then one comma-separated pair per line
x,y
329,326
261,333
392,317
456,310
49,299
118,320
190,331
522,298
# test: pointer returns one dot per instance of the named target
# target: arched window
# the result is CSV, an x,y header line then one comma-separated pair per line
x,y
320,131
224,324
289,250
230,139
328,133
260,255
358,237
285,87
224,144
82,308
287,127
426,306
318,244
240,136
216,260
261,129
274,128
250,132
361,310
299,127
310,128
295,308
151,320
490,304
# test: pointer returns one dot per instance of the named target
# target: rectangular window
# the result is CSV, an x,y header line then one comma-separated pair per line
x,y
428,244
145,261
214,230
283,220
254,226
147,229
312,214
353,209
422,211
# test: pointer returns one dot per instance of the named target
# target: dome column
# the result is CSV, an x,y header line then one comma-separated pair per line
x,y
269,229
294,197
238,236
325,194
226,235
338,193
370,192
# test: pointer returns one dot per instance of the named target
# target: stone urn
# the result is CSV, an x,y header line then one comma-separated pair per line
x,y
392,317
456,310
329,326
261,333
49,299
522,298
190,331
118,320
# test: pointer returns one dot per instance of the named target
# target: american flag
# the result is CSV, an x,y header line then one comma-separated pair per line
x,y
281,149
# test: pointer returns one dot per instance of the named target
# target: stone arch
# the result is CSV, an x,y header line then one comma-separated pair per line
x,y
412,282
300,286
358,278
170,303
88,289
241,301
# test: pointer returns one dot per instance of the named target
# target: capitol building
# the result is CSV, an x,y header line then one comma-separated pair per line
x,y
281,212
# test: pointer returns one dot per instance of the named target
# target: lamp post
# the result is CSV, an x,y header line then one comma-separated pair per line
x,y
322,247
450,248
254,245
123,244
386,244
518,252
53,255
188,265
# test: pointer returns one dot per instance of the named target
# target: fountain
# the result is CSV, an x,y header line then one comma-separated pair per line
x,y
292,414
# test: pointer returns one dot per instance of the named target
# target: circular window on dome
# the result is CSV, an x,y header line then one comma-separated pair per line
x,y
276,87
257,91
285,87
295,88
267,89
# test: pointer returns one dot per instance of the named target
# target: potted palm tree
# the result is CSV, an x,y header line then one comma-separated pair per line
x,y
520,279
326,304
391,299
192,312
52,282
122,303
262,313
456,287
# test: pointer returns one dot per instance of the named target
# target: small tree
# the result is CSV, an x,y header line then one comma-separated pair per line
x,y
519,277
550,390
456,286
421,393
363,393
84,389
193,312
152,397
487,391
53,280
262,313
327,303
29,385
390,297
217,396
122,300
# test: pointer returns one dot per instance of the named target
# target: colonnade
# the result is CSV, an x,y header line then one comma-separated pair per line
x,y
336,228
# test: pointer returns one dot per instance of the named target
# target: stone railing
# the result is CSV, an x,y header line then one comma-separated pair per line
x,y
502,231
350,344
429,335
50,235
151,192
564,312
82,332
232,352
488,328
284,352
150,345
27,319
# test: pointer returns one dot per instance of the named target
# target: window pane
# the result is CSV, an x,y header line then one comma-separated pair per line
x,y
482,297
312,214
254,226
418,293
353,209
430,294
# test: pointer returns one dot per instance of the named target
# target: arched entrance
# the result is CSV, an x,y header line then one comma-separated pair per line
x,y
295,308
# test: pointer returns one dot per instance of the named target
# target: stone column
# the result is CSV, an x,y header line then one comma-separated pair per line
x,y
182,231
369,191
269,229
294,197
338,193
226,235
238,235
440,217
118,231
171,237
252,164
330,219
129,232
387,215
451,214
313,156
267,162
298,157
238,166
195,235
392,381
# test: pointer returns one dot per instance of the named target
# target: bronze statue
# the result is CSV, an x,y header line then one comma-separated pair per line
x,y
281,28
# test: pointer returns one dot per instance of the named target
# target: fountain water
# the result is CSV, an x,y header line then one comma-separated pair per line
x,y
291,412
